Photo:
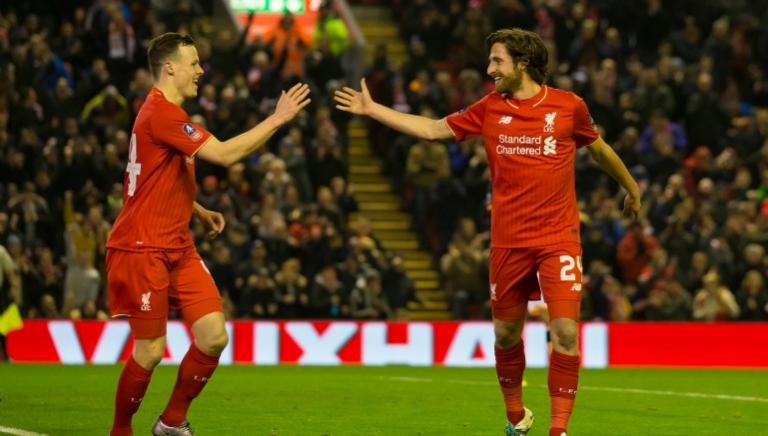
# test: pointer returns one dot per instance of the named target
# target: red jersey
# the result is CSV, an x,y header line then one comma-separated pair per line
x,y
159,185
531,146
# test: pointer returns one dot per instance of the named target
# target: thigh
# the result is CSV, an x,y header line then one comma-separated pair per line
x,y
193,290
513,282
560,276
138,284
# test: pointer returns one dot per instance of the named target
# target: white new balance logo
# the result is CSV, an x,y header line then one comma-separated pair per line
x,y
550,146
505,119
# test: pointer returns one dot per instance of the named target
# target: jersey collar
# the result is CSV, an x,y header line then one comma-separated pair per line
x,y
532,101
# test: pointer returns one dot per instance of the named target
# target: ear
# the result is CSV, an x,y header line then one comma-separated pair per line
x,y
169,68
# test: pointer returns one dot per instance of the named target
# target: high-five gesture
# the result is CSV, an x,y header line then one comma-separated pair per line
x,y
356,102
361,103
292,102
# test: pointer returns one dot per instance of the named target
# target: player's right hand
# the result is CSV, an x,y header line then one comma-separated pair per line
x,y
291,102
356,102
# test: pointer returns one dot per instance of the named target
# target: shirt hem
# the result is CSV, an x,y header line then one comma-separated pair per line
x,y
535,244
150,248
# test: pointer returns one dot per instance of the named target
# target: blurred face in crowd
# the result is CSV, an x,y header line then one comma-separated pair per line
x,y
711,282
507,75
338,185
753,282
754,254
324,196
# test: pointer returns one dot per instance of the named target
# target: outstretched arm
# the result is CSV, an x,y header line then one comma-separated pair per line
x,y
226,153
611,163
361,103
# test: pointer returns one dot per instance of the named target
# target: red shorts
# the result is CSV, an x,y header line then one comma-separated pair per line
x,y
522,274
145,285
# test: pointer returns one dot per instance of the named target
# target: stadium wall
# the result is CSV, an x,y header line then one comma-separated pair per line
x,y
468,344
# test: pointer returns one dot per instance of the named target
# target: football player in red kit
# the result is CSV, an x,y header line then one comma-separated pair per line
x,y
531,133
151,261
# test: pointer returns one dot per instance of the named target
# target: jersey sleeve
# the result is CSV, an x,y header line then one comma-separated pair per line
x,y
584,130
469,121
172,127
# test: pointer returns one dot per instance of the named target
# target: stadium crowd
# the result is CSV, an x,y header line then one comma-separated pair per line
x,y
681,92
73,79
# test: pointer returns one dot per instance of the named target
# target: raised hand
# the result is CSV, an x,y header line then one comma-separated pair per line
x,y
356,102
291,102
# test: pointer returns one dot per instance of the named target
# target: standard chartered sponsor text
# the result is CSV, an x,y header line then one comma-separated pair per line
x,y
518,150
521,139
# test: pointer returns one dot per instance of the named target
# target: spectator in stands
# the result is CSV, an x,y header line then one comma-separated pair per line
x,y
634,251
652,95
753,297
367,300
714,302
10,290
698,77
753,259
669,301
259,296
276,182
461,268
82,280
292,293
331,28
326,161
289,44
661,129
426,167
329,297
121,44
344,196
398,288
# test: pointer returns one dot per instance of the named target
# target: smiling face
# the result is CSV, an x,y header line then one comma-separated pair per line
x,y
185,65
507,75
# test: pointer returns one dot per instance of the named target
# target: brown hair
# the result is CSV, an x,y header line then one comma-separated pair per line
x,y
523,46
162,47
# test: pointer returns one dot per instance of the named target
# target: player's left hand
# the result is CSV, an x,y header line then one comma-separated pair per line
x,y
213,221
631,207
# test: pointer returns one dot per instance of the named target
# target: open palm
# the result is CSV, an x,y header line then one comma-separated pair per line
x,y
292,101
356,102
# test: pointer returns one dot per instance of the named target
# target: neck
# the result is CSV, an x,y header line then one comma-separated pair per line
x,y
169,91
527,89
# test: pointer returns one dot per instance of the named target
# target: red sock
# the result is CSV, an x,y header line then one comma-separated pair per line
x,y
510,364
195,370
563,380
130,391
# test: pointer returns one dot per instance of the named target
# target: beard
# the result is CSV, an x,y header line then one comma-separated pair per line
x,y
510,82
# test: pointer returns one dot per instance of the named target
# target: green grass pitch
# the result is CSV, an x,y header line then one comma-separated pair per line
x,y
396,401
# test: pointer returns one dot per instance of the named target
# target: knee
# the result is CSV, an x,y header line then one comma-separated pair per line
x,y
214,343
565,342
149,355
507,336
